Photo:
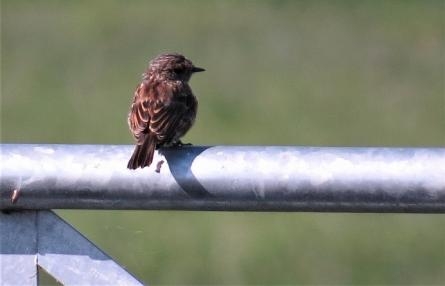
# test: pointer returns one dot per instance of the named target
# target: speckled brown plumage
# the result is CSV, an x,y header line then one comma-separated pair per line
x,y
164,107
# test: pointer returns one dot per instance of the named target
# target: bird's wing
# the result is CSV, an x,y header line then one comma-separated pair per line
x,y
165,118
139,116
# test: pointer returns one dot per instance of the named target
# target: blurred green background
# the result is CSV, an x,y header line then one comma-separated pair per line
x,y
325,73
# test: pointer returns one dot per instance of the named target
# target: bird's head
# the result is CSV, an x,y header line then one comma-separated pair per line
x,y
171,66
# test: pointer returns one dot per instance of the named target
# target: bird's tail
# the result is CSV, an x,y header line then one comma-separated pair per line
x,y
143,154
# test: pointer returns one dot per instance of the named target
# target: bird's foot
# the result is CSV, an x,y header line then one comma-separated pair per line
x,y
180,144
174,144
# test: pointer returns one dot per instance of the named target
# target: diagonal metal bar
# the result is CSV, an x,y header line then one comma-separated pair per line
x,y
225,178
72,259
31,238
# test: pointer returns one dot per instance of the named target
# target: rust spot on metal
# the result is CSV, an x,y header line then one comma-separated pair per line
x,y
15,196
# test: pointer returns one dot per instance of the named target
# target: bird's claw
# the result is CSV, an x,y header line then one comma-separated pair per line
x,y
174,144
180,144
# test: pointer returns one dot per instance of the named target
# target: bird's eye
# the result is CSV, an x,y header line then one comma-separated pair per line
x,y
177,70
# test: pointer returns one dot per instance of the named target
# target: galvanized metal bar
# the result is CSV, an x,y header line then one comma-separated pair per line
x,y
18,248
31,238
229,178
72,259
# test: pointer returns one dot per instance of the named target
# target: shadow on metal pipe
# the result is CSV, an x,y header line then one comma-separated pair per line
x,y
180,160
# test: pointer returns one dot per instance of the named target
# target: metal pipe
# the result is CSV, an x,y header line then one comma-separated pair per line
x,y
225,178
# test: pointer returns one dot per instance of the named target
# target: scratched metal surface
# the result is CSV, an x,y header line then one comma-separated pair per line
x,y
246,178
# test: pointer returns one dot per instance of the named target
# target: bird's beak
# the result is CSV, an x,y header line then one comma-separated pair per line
x,y
196,69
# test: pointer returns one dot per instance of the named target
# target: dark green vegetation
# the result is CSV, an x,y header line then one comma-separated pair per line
x,y
368,73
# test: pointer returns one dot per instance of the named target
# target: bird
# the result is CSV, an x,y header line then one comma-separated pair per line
x,y
163,108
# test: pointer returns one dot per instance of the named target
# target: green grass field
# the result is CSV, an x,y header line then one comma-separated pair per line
x,y
325,73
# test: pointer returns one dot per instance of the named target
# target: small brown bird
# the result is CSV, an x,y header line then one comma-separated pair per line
x,y
164,107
